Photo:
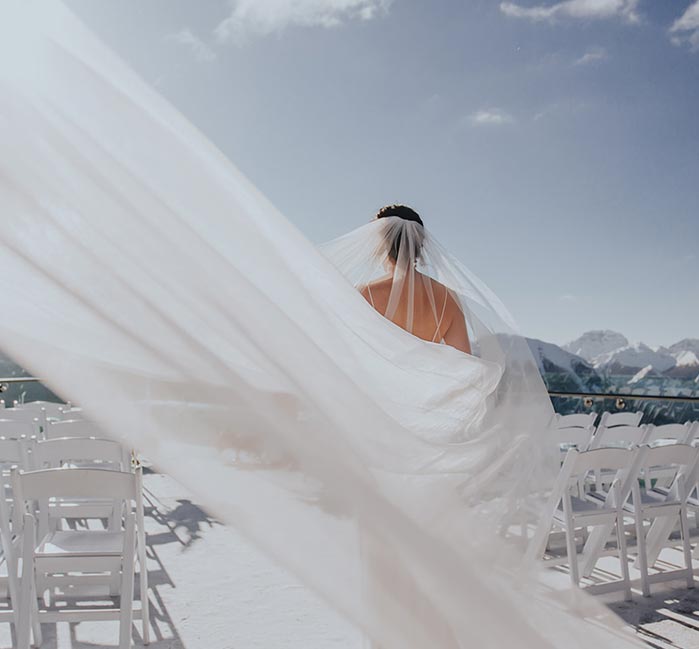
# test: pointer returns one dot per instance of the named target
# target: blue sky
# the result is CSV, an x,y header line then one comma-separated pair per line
x,y
553,146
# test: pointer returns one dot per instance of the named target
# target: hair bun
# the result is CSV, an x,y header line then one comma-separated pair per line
x,y
401,211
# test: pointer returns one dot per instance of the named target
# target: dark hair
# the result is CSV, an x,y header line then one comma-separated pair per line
x,y
393,237
402,211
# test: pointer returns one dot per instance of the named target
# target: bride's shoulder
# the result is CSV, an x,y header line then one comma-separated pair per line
x,y
377,285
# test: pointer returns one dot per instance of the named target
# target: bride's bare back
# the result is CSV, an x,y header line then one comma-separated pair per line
x,y
436,316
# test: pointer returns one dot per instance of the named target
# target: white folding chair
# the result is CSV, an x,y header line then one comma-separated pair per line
x,y
72,428
9,543
650,503
76,555
616,437
621,436
612,419
570,512
13,453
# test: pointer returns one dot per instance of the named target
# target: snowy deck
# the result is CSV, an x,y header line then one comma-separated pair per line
x,y
210,589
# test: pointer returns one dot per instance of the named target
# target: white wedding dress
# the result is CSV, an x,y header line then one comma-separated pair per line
x,y
148,280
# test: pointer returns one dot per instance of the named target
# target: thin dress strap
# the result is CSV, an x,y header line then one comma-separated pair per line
x,y
441,317
371,297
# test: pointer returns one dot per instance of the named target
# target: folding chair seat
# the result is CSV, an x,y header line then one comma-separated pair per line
x,y
651,503
570,512
76,557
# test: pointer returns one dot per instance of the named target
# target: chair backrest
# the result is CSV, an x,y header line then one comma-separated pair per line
x,y
52,409
611,419
682,458
75,483
611,459
679,433
619,436
578,437
576,420
624,463
52,453
12,429
70,412
24,414
72,428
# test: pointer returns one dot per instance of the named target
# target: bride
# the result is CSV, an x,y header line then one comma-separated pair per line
x,y
153,284
410,299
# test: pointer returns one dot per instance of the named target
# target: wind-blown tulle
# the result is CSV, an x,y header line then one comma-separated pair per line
x,y
148,280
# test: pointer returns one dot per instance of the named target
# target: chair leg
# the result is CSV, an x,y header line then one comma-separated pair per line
x,y
127,582
143,582
572,550
695,553
25,598
36,623
623,555
684,530
642,556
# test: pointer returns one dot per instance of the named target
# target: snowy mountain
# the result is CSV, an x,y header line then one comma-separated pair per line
x,y
686,345
610,353
595,343
631,358
562,369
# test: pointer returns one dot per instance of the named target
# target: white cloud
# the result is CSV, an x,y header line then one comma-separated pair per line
x,y
593,55
490,117
686,28
264,17
201,51
585,9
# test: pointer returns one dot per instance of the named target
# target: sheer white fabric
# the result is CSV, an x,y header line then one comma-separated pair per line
x,y
149,281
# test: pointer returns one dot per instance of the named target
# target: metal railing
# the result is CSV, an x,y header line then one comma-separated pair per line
x,y
655,406
624,396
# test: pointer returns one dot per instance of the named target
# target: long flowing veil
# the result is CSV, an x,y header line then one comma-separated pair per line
x,y
149,281
495,421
